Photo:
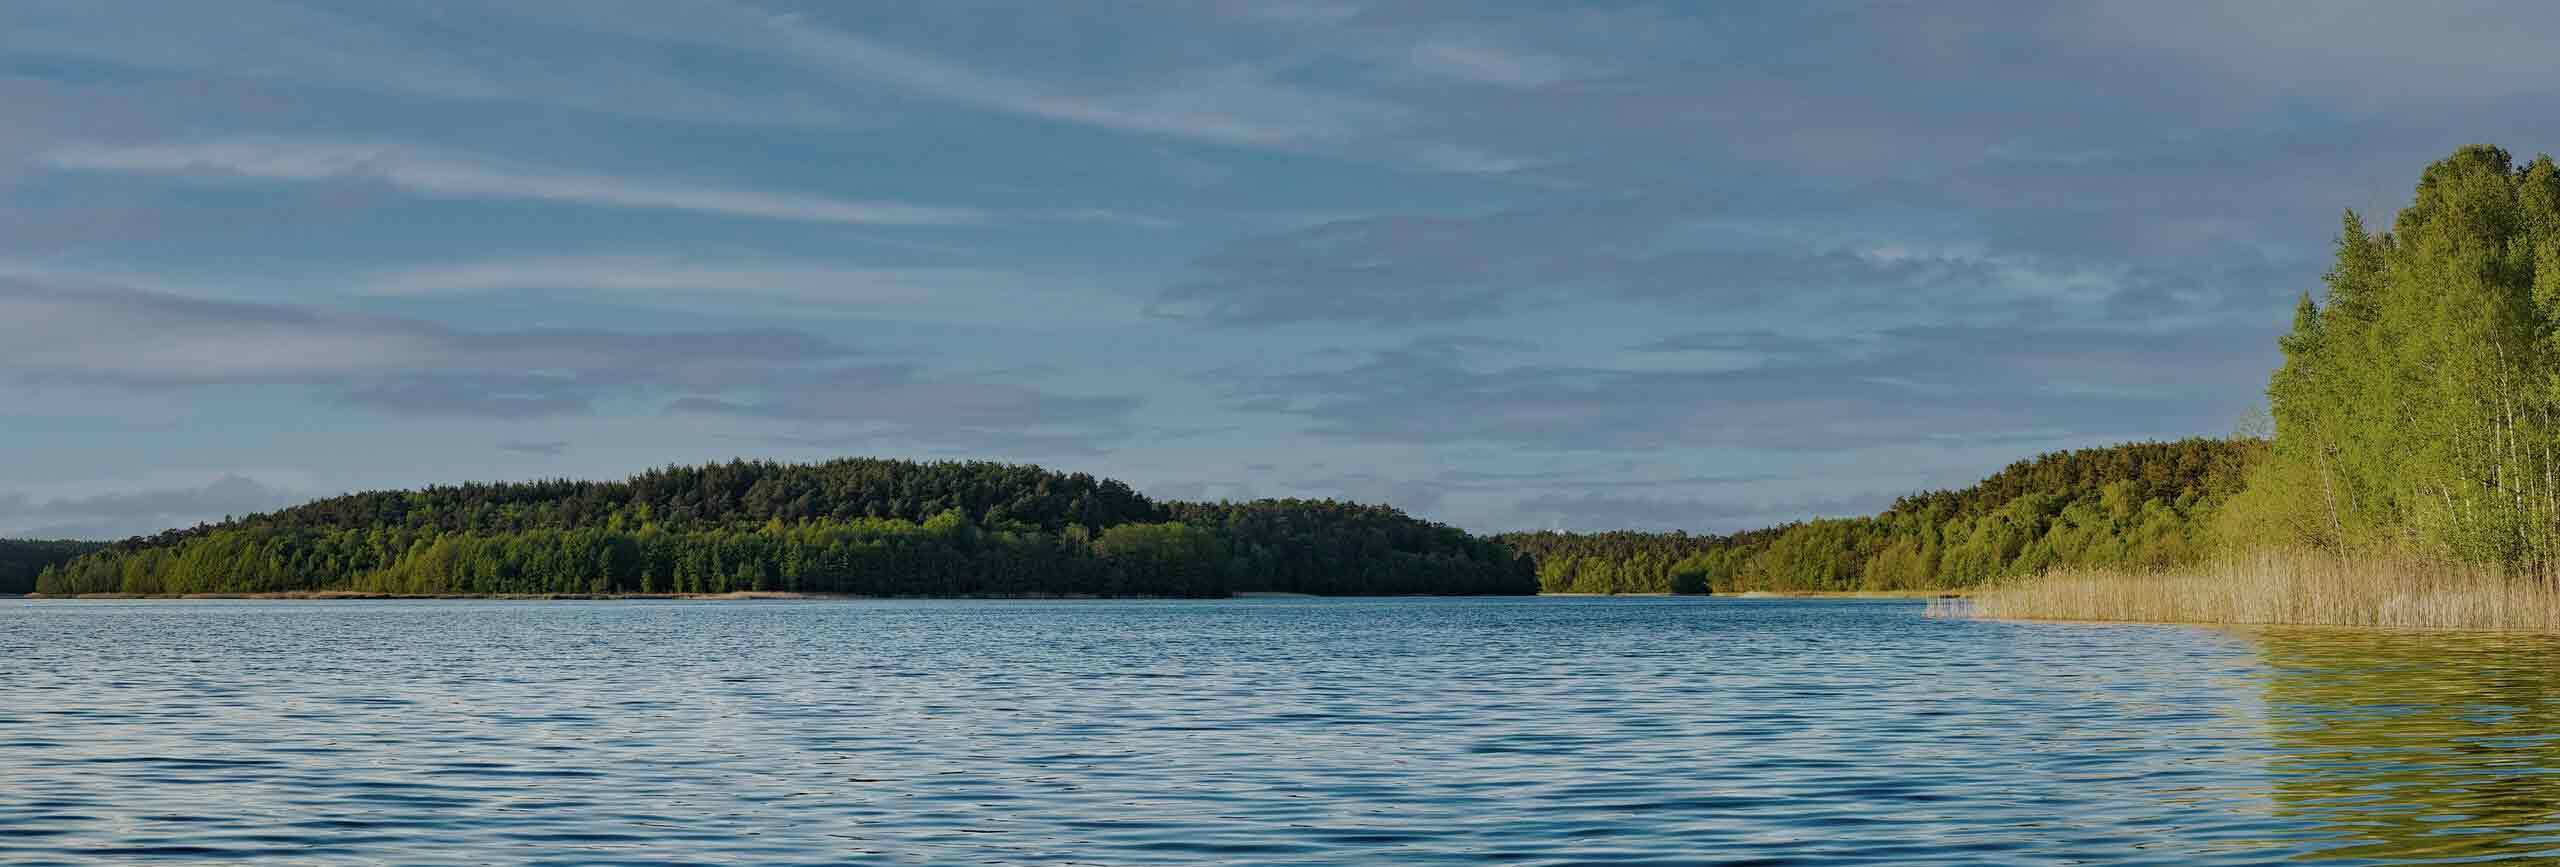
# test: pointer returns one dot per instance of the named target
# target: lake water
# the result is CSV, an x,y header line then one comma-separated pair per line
x,y
1267,731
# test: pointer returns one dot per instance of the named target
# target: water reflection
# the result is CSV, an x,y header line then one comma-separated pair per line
x,y
2414,746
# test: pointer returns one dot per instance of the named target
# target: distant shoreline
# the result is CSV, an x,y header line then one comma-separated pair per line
x,y
1785,594
352,595
750,596
1850,594
745,596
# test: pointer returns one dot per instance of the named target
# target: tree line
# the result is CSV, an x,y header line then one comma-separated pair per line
x,y
852,526
21,560
863,526
1329,548
735,493
2148,504
2418,405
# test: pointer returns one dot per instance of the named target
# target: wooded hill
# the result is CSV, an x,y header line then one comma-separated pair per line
x,y
2142,504
897,528
866,526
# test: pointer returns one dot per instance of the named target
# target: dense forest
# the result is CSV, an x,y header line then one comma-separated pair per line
x,y
2418,406
895,528
2140,504
872,527
21,560
1330,548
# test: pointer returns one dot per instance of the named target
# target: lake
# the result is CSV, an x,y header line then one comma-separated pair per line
x,y
1262,731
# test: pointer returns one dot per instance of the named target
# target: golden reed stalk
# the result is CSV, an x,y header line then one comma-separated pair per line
x,y
2285,587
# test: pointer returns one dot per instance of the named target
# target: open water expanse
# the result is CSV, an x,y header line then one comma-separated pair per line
x,y
1269,731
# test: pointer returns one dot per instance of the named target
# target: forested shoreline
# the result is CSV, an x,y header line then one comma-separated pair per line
x,y
2414,476
856,526
2146,505
891,528
22,560
2418,406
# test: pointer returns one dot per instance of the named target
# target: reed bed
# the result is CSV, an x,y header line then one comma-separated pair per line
x,y
2288,587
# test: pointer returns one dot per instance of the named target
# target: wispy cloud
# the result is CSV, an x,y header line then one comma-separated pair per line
x,y
749,282
1481,63
1905,385
1296,11
1234,105
1466,160
427,173
1677,250
389,49
653,274
119,514
796,387
902,394
105,336
904,406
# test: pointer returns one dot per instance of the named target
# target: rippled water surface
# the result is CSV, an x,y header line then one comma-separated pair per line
x,y
1252,731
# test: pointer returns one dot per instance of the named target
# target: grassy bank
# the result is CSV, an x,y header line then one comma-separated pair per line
x,y
2288,587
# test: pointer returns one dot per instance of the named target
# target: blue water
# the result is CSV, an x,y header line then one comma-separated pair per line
x,y
1272,731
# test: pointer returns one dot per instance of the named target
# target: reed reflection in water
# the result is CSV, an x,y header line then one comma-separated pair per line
x,y
2416,746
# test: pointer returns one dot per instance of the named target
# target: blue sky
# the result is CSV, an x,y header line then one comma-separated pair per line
x,y
1509,266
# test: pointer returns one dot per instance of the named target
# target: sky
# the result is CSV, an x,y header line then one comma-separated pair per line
x,y
1503,265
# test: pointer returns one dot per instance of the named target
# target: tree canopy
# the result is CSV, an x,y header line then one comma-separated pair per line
x,y
21,560
2419,399
865,526
2144,504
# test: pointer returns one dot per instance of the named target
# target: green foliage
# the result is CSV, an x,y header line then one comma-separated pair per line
x,y
1170,559
1327,547
2147,504
881,528
1613,562
1692,576
737,493
2418,410
21,560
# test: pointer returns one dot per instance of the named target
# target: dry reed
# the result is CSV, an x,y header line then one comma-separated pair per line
x,y
2288,587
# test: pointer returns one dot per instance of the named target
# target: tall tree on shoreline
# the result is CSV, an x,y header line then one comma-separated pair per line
x,y
2418,408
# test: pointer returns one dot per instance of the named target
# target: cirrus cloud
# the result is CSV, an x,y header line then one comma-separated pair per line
x,y
427,173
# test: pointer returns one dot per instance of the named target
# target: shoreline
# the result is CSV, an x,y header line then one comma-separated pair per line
x,y
786,596
363,596
740,596
1960,593
1777,594
2241,626
2288,588
2252,627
